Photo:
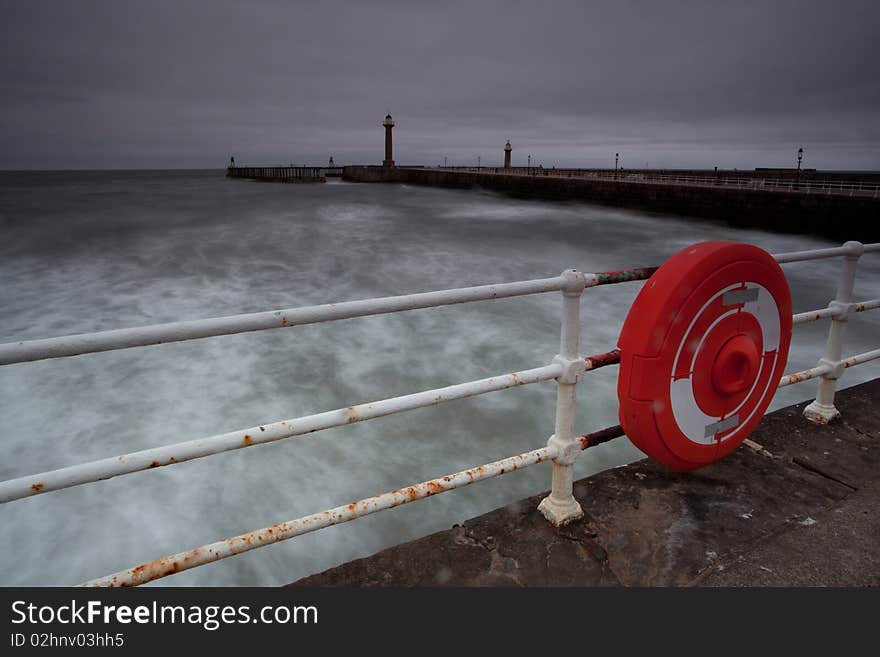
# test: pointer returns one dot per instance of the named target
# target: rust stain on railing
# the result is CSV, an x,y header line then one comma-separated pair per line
x,y
602,360
625,275
171,564
601,436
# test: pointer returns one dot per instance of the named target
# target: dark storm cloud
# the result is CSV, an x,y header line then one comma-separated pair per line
x,y
734,84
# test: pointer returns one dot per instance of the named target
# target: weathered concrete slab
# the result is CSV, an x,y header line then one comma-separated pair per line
x,y
803,511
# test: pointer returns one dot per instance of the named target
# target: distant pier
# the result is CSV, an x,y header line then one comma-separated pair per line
x,y
285,174
831,204
838,205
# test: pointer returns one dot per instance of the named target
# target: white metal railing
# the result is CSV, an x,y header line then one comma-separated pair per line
x,y
566,368
805,186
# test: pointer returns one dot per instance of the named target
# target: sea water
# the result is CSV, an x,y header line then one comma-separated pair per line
x,y
91,251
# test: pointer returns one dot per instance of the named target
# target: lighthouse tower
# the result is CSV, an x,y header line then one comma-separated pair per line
x,y
389,157
507,149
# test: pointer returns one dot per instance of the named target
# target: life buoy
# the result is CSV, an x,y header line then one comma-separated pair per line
x,y
702,351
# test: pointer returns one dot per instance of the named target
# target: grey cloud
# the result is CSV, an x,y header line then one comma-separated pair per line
x,y
674,83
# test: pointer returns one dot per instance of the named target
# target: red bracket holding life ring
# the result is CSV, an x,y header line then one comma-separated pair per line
x,y
702,351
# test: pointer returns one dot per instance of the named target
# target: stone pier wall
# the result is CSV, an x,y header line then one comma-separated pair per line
x,y
835,217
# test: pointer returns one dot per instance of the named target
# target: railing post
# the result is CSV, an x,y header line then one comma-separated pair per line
x,y
560,507
822,410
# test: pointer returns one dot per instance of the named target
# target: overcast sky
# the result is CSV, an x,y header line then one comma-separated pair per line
x,y
154,84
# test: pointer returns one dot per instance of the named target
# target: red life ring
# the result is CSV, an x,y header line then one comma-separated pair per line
x,y
702,351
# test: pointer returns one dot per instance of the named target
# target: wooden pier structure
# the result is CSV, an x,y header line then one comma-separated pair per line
x,y
284,174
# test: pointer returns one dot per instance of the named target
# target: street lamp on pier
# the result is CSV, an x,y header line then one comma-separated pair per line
x,y
800,157
616,157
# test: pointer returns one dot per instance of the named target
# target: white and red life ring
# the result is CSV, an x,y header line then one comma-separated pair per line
x,y
702,351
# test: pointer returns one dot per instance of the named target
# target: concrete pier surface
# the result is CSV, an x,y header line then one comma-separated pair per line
x,y
799,506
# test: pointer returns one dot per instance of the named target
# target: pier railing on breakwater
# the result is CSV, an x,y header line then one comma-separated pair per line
x,y
565,368
811,186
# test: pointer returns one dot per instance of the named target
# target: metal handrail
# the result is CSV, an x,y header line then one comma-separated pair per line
x,y
566,368
177,453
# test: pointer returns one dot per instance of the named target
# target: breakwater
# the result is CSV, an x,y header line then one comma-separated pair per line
x,y
837,216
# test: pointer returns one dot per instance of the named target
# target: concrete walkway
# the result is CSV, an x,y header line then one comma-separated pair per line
x,y
801,511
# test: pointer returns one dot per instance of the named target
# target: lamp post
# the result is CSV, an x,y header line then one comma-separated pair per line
x,y
616,157
800,157
529,165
